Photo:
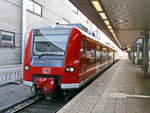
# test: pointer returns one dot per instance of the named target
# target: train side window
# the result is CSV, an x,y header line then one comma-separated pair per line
x,y
83,47
103,55
91,54
98,55
108,54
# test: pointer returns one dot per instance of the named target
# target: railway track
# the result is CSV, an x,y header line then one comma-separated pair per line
x,y
18,106
44,106
35,104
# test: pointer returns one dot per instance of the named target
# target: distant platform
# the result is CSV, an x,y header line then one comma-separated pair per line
x,y
12,94
121,89
10,73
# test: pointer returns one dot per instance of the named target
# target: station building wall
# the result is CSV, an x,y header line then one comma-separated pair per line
x,y
10,32
53,11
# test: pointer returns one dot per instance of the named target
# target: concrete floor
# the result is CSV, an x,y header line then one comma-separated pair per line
x,y
12,94
121,89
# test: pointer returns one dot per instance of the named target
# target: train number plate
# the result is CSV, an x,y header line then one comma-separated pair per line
x,y
46,71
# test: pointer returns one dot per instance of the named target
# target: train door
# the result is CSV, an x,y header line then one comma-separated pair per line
x,y
82,69
97,63
91,58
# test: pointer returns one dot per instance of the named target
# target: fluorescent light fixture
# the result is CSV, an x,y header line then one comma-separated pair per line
x,y
107,22
97,6
115,37
113,34
117,40
111,30
103,16
109,27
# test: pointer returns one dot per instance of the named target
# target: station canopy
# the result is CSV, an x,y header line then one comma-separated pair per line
x,y
127,18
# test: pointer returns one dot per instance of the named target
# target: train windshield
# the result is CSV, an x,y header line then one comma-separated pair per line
x,y
50,41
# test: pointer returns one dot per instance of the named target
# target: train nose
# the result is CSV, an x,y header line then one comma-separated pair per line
x,y
46,85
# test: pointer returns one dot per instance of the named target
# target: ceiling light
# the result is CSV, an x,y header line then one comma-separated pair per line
x,y
128,49
97,6
103,16
117,40
111,30
107,22
109,27
113,34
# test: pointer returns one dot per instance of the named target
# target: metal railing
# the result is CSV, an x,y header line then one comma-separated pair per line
x,y
10,74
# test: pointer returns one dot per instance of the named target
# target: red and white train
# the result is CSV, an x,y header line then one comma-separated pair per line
x,y
63,57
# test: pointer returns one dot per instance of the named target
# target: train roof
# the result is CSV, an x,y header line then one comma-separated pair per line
x,y
65,26
94,38
81,28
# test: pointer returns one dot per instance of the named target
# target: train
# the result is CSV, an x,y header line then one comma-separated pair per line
x,y
63,57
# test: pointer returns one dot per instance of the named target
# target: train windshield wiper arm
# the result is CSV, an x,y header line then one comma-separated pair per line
x,y
49,55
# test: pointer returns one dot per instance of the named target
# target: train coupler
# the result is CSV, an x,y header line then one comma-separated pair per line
x,y
46,85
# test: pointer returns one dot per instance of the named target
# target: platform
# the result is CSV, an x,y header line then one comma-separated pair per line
x,y
121,89
10,73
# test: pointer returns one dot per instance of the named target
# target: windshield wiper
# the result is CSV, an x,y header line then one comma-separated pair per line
x,y
49,55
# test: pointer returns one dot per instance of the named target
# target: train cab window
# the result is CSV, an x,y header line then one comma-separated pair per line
x,y
51,41
109,54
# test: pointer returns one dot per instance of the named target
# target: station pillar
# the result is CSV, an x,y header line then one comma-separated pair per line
x,y
113,56
129,55
146,54
142,67
138,53
133,56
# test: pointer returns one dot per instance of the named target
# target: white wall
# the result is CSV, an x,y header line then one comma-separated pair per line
x,y
61,11
10,20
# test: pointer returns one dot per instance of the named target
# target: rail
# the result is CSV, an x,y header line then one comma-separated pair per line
x,y
21,105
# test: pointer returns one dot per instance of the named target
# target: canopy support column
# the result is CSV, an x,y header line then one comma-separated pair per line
x,y
146,54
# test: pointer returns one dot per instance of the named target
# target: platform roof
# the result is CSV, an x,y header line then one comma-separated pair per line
x,y
128,18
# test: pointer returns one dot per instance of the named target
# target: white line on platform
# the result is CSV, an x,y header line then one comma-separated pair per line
x,y
124,95
138,96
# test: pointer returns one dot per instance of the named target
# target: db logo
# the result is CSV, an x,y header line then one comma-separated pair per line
x,y
46,71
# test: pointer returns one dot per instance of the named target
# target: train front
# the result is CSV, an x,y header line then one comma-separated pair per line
x,y
45,65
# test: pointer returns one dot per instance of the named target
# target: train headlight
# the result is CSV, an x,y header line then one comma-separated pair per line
x,y
70,69
26,68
